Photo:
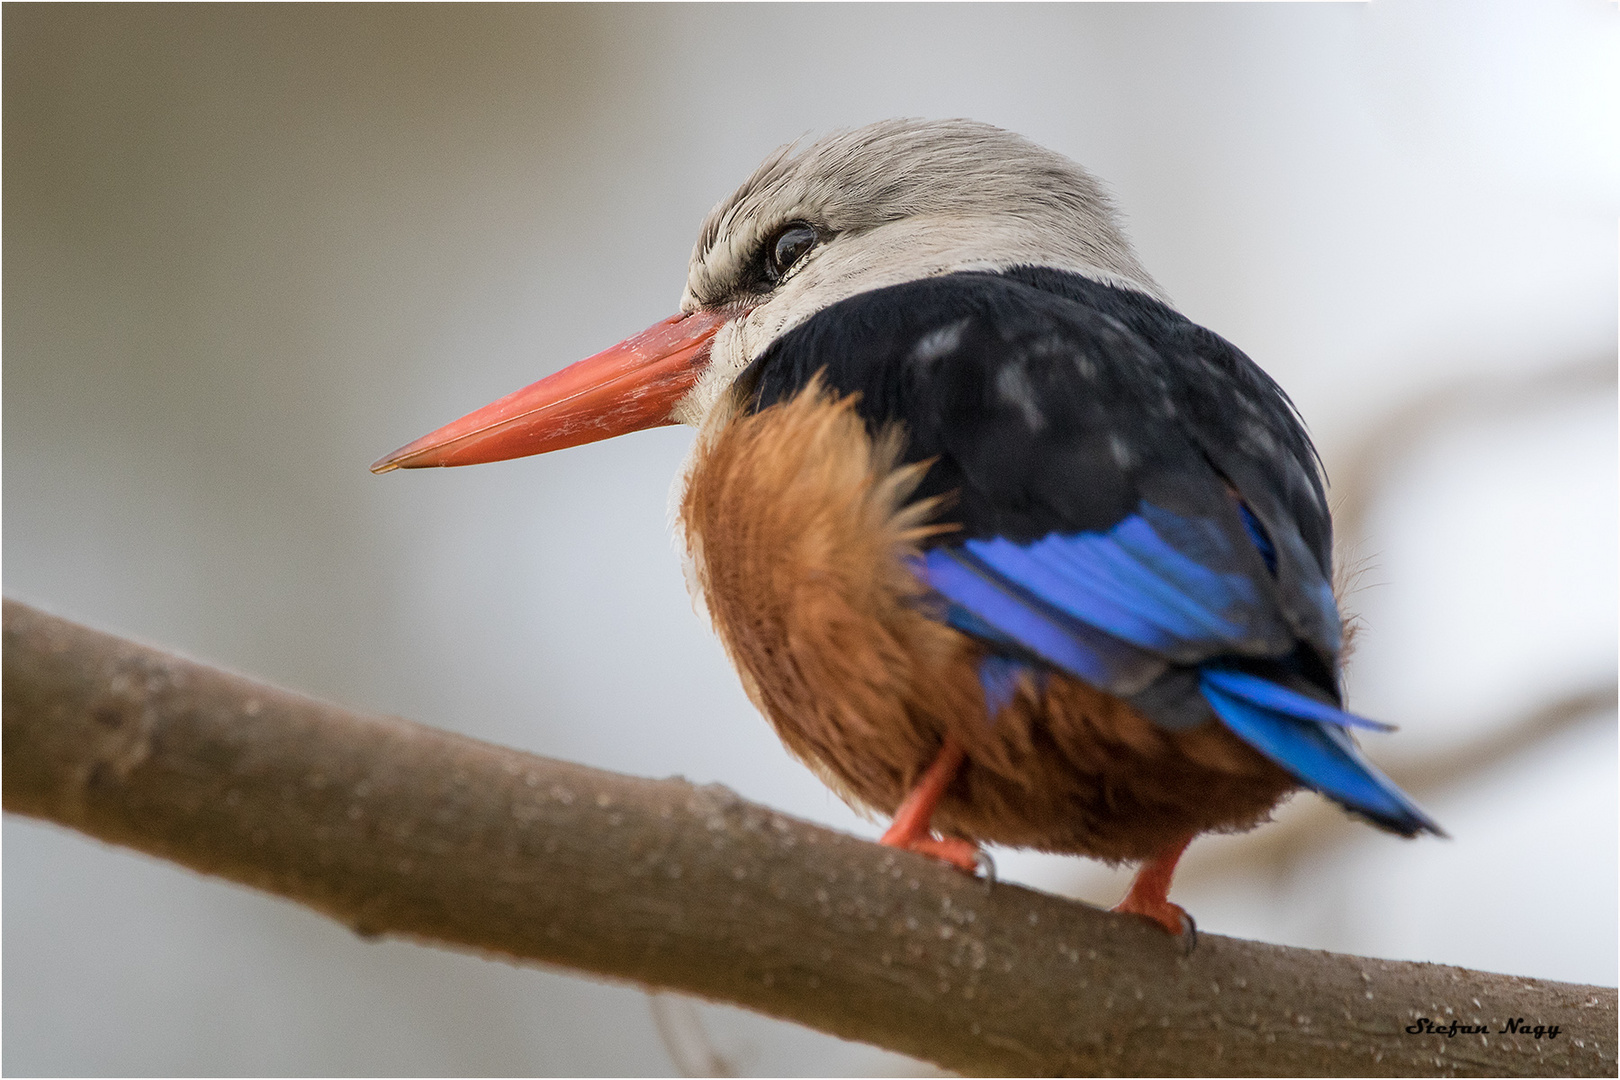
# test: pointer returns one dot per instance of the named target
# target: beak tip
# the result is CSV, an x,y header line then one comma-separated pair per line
x,y
387,463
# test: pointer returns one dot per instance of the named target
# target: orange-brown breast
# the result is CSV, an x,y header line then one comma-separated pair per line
x,y
799,525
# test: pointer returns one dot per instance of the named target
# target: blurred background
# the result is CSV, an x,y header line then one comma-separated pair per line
x,y
248,249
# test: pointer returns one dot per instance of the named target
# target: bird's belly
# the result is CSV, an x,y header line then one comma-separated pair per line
x,y
799,528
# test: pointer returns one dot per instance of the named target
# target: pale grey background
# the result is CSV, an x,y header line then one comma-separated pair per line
x,y
249,249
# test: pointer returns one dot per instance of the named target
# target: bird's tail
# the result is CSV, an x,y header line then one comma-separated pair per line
x,y
1310,740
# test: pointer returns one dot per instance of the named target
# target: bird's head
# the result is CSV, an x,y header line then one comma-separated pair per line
x,y
858,210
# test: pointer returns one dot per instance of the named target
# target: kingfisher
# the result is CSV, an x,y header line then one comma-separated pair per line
x,y
1003,546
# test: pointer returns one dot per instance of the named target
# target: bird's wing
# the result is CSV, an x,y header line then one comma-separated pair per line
x,y
1137,503
1100,454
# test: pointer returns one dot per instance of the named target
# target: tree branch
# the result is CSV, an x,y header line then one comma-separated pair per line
x,y
395,828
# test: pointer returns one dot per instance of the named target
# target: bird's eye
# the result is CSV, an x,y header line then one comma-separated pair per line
x,y
787,248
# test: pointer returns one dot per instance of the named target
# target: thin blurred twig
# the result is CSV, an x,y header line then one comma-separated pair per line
x,y
685,1039
1360,474
395,828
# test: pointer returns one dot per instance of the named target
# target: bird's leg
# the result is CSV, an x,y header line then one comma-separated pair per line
x,y
910,828
1150,891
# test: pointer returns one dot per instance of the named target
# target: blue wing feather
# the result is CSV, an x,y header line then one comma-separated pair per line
x,y
1011,613
1134,584
1262,542
1082,584
1131,584
999,675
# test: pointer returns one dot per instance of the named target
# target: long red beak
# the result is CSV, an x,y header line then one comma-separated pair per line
x,y
633,385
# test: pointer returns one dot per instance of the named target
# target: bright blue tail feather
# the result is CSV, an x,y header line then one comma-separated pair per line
x,y
1286,728
1268,695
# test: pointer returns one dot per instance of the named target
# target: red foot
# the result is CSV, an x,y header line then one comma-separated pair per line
x,y
910,830
1149,894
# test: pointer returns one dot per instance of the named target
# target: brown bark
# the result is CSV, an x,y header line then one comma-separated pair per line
x,y
395,828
